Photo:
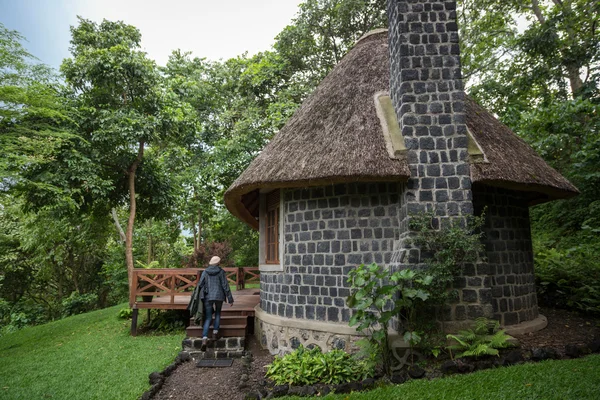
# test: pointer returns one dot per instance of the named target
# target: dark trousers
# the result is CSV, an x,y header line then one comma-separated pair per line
x,y
211,306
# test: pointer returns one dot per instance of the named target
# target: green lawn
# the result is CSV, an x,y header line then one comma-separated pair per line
x,y
89,356
92,356
550,380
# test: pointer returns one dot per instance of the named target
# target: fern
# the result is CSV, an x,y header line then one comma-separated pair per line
x,y
483,340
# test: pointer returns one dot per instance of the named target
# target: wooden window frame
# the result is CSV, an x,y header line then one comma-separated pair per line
x,y
272,229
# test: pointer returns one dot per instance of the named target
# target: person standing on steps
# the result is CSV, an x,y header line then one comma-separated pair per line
x,y
215,292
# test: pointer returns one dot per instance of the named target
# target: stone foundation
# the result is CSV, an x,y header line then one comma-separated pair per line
x,y
284,335
231,347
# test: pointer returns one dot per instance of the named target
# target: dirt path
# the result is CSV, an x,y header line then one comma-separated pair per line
x,y
190,382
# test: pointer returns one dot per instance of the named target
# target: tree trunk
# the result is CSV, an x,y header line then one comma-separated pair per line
x,y
573,72
115,218
194,231
149,252
574,79
74,277
129,234
535,6
199,226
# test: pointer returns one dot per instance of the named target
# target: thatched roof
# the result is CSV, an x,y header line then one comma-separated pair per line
x,y
511,162
336,136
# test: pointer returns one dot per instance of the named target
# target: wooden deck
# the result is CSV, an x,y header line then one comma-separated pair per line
x,y
243,300
172,288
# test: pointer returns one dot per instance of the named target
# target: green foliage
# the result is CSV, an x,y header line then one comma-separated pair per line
x,y
483,340
569,279
128,113
324,30
160,244
114,273
38,135
78,303
46,257
446,249
307,367
548,380
537,66
378,295
167,321
125,313
225,228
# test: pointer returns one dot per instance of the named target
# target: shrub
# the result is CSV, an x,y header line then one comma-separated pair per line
x,y
483,340
379,295
125,313
168,321
569,278
17,316
205,251
307,367
78,303
446,249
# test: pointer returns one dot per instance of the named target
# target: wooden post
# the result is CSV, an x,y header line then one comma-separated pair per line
x,y
134,317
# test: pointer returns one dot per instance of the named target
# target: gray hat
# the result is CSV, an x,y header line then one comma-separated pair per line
x,y
215,260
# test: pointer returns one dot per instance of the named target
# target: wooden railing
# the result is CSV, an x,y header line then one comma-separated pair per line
x,y
170,288
239,277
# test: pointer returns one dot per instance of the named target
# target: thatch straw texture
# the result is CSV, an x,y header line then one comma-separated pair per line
x,y
511,162
335,136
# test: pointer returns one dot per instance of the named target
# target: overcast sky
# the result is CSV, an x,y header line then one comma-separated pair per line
x,y
209,28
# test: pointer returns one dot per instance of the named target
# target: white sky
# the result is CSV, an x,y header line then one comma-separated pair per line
x,y
209,28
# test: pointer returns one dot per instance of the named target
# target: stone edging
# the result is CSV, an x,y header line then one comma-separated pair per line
x,y
458,366
527,327
157,379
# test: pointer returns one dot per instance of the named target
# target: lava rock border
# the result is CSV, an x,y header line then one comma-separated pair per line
x,y
450,367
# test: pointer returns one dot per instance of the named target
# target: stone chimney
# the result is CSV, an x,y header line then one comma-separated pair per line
x,y
427,93
428,97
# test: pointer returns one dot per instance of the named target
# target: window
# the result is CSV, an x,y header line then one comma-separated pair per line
x,y
270,249
272,228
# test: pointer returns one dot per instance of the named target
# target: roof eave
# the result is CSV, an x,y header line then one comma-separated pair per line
x,y
233,196
544,193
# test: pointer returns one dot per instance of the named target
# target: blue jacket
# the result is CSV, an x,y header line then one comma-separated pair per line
x,y
214,282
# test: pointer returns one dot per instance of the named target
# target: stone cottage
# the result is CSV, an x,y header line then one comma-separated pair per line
x,y
387,134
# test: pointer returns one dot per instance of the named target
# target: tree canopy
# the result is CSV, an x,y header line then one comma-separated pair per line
x,y
113,138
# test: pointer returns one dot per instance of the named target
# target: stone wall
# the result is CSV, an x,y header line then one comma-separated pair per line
x,y
327,232
509,253
427,93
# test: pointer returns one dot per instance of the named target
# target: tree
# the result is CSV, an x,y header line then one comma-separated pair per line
x,y
125,105
536,64
35,118
521,54
324,31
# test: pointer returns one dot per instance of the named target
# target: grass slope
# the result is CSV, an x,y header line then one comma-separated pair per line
x,y
88,356
550,380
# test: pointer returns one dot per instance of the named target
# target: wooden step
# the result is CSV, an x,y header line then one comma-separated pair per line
x,y
233,311
224,331
227,320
